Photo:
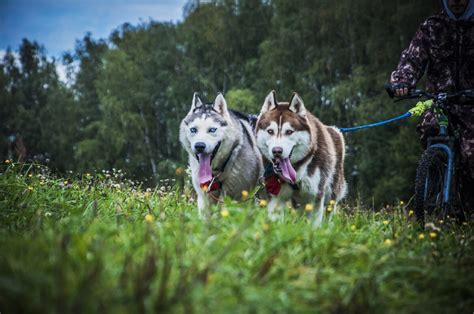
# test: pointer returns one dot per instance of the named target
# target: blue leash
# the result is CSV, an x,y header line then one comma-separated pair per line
x,y
403,116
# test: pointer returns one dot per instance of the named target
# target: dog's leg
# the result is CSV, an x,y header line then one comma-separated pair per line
x,y
203,204
275,209
320,214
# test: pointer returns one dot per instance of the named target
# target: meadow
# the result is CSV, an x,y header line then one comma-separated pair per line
x,y
101,243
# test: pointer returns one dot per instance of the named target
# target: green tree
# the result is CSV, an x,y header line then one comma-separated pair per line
x,y
122,104
87,56
243,100
27,81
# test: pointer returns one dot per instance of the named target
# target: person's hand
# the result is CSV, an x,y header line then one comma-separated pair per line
x,y
400,90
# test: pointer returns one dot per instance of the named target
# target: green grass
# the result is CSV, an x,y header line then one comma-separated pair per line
x,y
87,245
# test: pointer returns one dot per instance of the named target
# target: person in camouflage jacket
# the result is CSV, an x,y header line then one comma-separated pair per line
x,y
443,46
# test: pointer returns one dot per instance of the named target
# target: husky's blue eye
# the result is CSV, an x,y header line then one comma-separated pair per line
x,y
193,130
212,130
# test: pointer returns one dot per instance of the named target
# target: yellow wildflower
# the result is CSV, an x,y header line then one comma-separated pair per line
x,y
309,207
265,227
8,161
388,242
225,213
411,213
433,235
329,209
332,202
385,222
179,171
401,202
245,194
257,236
66,182
421,236
30,188
353,227
30,175
263,203
149,218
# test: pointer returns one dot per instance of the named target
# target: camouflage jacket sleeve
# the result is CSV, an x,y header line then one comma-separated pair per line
x,y
414,59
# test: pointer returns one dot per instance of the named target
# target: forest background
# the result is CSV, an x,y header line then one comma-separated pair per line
x,y
125,95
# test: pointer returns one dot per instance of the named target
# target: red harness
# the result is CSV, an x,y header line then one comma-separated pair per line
x,y
273,181
211,185
273,184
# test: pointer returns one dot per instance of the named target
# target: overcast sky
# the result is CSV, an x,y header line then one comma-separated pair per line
x,y
56,24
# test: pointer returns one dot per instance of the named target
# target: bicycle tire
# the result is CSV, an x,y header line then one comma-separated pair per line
x,y
429,184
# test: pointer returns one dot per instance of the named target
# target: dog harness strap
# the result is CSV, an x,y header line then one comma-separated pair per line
x,y
236,143
273,182
228,157
211,185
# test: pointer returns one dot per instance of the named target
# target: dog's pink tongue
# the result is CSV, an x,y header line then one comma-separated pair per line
x,y
205,171
287,170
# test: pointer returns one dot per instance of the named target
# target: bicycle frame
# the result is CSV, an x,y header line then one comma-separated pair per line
x,y
449,173
443,137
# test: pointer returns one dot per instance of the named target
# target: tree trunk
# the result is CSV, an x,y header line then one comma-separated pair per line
x,y
147,142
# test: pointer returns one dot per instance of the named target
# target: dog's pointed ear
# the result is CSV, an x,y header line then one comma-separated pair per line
x,y
196,103
220,105
270,103
297,105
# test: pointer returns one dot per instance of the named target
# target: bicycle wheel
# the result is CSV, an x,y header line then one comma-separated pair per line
x,y
429,185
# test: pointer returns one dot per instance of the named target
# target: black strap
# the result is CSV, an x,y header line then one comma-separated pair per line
x,y
236,143
228,157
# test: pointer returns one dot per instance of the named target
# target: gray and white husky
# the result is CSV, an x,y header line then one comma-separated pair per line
x,y
304,157
223,155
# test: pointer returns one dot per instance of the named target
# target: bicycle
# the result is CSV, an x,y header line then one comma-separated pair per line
x,y
436,187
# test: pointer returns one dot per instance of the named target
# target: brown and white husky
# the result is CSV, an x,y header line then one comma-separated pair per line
x,y
304,158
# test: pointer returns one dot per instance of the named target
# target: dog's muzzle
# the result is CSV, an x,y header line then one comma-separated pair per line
x,y
199,147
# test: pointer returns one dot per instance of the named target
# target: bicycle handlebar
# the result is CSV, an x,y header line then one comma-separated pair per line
x,y
418,93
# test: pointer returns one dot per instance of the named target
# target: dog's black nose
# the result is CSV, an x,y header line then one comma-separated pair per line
x,y
200,147
277,151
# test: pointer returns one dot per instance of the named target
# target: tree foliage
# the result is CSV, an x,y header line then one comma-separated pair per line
x,y
126,95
